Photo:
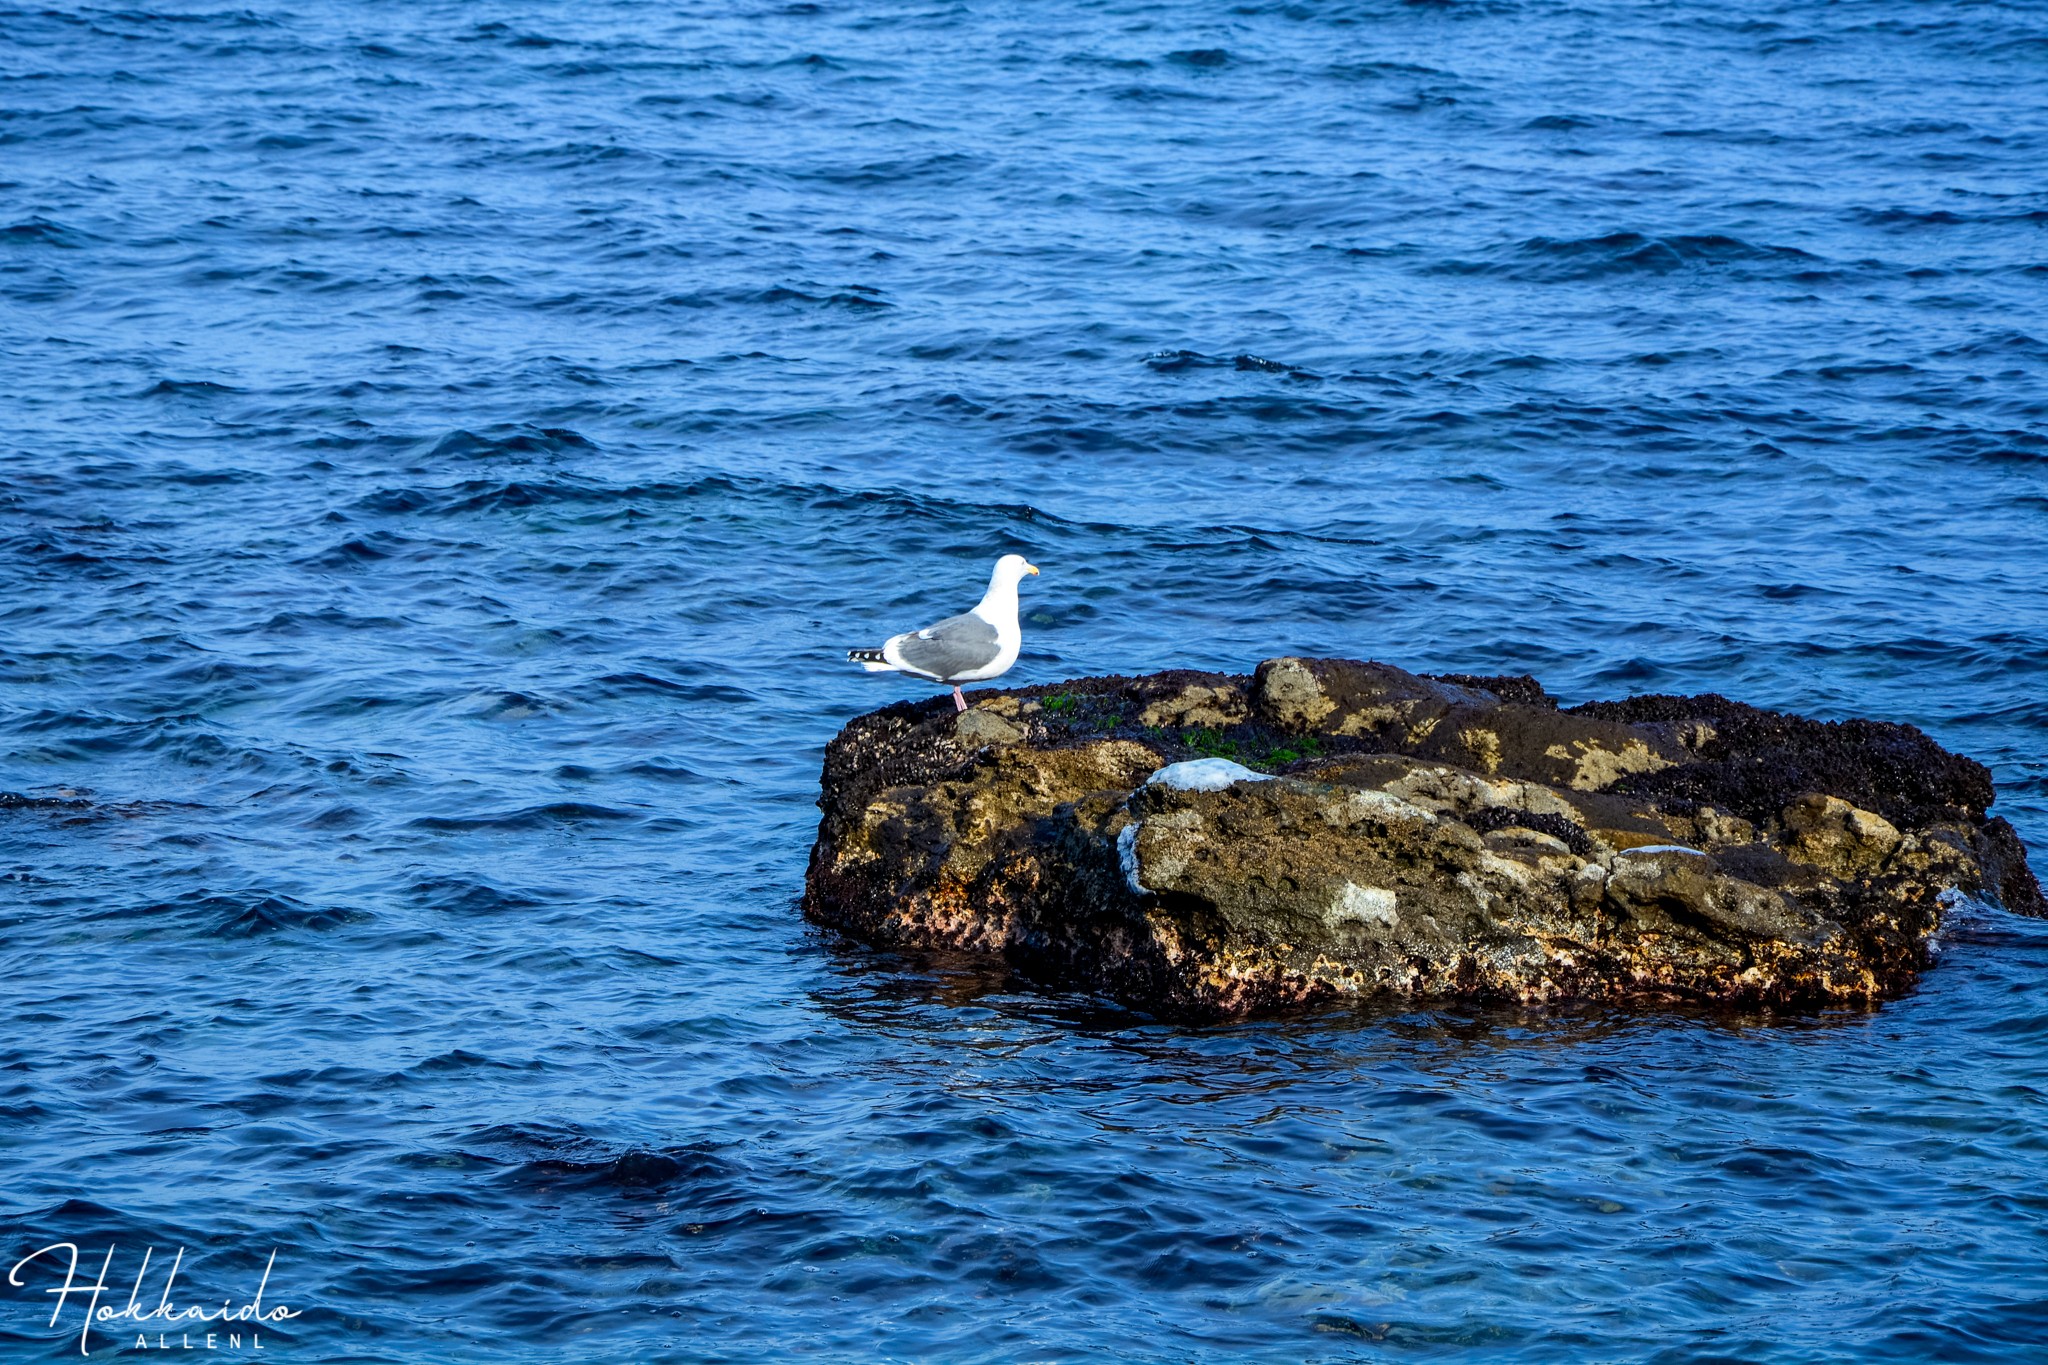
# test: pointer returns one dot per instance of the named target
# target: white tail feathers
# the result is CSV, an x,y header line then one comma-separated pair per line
x,y
871,659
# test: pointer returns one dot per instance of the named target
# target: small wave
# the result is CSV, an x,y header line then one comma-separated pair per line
x,y
359,551
277,914
64,799
1555,260
530,817
671,1169
1176,362
510,440
463,896
1378,71
2000,344
567,155
665,772
566,1156
1420,101
508,705
43,232
2010,455
490,495
188,388
245,915
1103,62
304,623
632,684
1937,218
457,1060
1161,94
853,296
948,168
1835,374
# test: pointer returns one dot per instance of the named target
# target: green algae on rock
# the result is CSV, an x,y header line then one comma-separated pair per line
x,y
1430,837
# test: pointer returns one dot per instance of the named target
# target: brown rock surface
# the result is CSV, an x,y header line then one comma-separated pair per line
x,y
1395,833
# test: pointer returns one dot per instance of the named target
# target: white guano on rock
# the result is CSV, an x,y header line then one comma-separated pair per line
x,y
1204,775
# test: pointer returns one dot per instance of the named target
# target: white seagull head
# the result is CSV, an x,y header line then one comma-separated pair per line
x,y
1010,570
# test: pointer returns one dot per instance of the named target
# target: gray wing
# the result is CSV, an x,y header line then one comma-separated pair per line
x,y
956,645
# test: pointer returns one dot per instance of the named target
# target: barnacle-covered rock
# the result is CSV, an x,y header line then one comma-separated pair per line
x,y
1204,845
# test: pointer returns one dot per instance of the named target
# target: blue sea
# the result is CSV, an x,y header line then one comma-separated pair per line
x,y
448,449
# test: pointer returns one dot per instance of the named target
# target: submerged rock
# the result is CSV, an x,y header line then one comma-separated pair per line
x,y
1201,845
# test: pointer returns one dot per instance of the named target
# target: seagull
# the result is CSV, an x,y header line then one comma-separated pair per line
x,y
975,647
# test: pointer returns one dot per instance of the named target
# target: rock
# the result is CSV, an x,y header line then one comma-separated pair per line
x,y
1196,704
979,726
1836,837
1458,722
1202,845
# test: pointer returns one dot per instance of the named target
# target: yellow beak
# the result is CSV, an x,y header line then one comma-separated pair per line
x,y
1030,568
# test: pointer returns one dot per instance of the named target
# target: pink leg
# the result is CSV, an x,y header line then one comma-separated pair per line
x,y
959,700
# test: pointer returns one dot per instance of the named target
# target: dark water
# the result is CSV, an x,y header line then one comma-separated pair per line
x,y
447,448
